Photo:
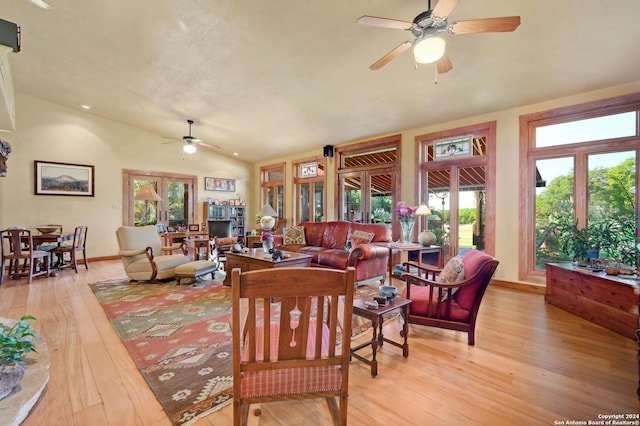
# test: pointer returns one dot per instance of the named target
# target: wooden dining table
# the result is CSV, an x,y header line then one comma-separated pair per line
x,y
48,242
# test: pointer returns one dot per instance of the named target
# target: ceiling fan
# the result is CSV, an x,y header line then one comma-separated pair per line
x,y
428,45
191,142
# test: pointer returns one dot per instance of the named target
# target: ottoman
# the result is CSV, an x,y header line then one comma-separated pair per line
x,y
196,269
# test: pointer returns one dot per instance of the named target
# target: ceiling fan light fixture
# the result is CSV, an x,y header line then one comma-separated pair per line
x,y
428,49
189,148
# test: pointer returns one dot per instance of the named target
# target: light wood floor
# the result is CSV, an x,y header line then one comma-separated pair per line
x,y
532,364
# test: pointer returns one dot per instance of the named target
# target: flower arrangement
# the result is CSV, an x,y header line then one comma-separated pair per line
x,y
404,213
266,236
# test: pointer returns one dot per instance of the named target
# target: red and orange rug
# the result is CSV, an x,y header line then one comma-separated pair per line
x,y
180,340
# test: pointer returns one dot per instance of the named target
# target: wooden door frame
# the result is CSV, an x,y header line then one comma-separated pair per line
x,y
388,142
128,175
487,130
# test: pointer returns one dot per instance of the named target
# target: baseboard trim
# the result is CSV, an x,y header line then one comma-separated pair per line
x,y
531,288
98,259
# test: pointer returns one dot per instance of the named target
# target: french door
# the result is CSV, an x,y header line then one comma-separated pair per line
x,y
178,199
367,196
458,182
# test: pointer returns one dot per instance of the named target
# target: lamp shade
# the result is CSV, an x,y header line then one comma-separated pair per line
x,y
428,49
189,148
147,193
423,210
267,210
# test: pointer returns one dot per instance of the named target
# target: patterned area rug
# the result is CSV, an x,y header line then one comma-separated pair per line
x,y
179,338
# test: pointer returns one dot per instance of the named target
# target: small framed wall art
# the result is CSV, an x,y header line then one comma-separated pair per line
x,y
219,184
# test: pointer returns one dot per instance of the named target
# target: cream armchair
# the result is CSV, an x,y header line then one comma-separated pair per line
x,y
138,249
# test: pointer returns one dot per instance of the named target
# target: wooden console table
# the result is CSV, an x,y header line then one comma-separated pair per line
x,y
607,300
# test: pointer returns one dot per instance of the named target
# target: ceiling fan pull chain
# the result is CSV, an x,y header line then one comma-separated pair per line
x,y
435,77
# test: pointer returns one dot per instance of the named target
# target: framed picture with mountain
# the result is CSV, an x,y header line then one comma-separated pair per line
x,y
53,178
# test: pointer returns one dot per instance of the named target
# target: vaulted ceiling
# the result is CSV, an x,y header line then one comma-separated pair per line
x,y
269,78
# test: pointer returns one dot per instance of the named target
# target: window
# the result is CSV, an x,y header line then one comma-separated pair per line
x,y
309,179
272,183
579,165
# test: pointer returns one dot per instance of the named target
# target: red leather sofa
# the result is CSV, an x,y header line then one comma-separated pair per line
x,y
326,242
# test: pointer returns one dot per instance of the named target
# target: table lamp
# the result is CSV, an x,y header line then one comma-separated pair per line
x,y
267,220
426,237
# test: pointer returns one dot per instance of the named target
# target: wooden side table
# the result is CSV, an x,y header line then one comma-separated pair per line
x,y
376,318
198,248
415,250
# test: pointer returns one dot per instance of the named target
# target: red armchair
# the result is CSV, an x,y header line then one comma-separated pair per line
x,y
452,305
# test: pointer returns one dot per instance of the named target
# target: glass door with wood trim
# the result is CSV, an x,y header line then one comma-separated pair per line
x,y
367,196
176,207
458,182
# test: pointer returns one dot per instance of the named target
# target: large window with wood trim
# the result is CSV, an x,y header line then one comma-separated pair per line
x,y
309,183
272,179
457,183
368,181
579,170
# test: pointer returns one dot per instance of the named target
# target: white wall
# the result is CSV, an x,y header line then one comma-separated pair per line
x,y
49,132
507,168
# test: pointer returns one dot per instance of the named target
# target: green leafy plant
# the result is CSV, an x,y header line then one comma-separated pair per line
x,y
17,340
613,237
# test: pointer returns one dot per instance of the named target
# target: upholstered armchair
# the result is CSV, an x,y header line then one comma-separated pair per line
x,y
141,251
449,297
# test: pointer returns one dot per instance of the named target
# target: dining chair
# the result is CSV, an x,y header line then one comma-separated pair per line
x,y
291,337
17,246
78,244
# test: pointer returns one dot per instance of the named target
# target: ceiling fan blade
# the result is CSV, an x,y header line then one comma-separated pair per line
x,y
488,25
444,64
173,140
390,56
209,145
444,8
394,24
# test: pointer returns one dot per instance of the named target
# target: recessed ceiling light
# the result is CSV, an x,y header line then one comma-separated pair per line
x,y
87,107
40,3
236,154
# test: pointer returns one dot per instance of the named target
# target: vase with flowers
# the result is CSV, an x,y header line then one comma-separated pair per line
x,y
267,242
407,217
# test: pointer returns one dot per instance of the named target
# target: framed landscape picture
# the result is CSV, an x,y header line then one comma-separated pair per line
x,y
63,179
219,184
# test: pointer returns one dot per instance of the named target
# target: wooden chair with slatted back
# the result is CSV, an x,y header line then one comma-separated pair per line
x,y
17,245
72,248
302,350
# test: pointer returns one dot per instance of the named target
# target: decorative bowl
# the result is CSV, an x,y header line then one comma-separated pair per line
x,y
47,229
388,291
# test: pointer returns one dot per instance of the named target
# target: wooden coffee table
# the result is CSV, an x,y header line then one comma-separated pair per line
x,y
376,318
258,260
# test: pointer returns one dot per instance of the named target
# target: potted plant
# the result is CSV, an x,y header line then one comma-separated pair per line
x,y
600,239
15,341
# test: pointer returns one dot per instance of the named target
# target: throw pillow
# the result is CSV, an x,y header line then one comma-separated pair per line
x,y
294,235
452,271
359,237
